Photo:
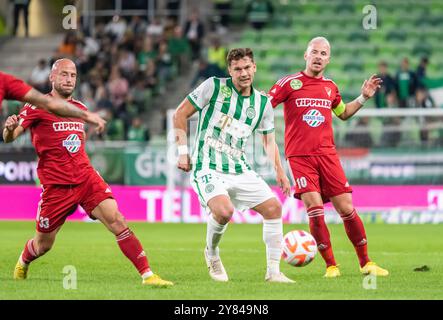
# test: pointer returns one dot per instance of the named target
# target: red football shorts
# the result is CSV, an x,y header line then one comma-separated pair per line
x,y
59,201
323,174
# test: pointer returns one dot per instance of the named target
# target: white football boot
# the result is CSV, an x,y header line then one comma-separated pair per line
x,y
278,277
215,267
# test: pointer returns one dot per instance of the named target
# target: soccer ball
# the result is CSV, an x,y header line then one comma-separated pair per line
x,y
299,248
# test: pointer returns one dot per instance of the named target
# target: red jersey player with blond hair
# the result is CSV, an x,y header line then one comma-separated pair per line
x,y
68,179
309,100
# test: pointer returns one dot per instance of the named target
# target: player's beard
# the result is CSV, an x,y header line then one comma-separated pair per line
x,y
64,92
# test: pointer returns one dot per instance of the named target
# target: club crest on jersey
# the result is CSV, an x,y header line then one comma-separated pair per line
x,y
209,188
250,112
313,118
328,91
296,84
226,91
72,143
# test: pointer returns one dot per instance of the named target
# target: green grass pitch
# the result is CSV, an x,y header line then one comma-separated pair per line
x,y
175,252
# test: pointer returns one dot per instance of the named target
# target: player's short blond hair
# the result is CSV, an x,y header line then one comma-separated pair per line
x,y
318,39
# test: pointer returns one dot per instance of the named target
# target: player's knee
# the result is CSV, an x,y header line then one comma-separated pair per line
x,y
274,210
223,214
345,210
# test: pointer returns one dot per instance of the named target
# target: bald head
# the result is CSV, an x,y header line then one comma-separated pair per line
x,y
63,77
63,63
319,40
317,56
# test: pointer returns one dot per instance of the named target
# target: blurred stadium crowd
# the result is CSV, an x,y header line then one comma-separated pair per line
x,y
129,62
121,69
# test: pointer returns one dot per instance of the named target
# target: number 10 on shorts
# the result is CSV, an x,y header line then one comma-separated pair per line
x,y
301,182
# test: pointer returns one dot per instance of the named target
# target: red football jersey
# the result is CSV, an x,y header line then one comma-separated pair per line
x,y
12,88
59,143
308,104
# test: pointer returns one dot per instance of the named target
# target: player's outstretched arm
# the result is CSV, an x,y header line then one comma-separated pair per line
x,y
368,89
183,112
12,129
63,108
273,154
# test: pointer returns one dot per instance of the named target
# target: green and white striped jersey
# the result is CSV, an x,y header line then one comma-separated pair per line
x,y
226,120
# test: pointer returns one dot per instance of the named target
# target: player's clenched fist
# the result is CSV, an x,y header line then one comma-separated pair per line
x,y
11,123
184,162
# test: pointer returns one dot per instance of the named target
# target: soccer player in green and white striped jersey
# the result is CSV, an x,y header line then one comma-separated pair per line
x,y
229,111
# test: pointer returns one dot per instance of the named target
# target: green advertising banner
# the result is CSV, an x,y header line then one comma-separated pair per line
x,y
109,162
394,167
145,166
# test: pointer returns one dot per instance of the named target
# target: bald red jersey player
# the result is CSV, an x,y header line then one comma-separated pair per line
x,y
68,179
12,88
309,99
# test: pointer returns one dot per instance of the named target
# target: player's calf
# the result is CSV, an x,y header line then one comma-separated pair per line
x,y
355,231
42,247
272,237
107,212
117,224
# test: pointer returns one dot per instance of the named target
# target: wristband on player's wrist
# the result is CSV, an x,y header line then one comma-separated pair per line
x,y
360,99
182,150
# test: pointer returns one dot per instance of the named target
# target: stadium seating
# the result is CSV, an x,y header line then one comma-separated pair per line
x,y
355,51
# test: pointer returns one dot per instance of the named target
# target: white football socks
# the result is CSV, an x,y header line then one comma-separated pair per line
x,y
147,274
22,263
214,232
273,236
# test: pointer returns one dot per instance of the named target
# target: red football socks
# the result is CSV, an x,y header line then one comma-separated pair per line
x,y
320,232
29,254
133,250
356,233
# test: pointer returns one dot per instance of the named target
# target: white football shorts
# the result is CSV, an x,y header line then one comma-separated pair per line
x,y
246,190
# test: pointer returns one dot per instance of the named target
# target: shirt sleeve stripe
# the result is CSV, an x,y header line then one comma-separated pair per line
x,y
193,103
266,131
